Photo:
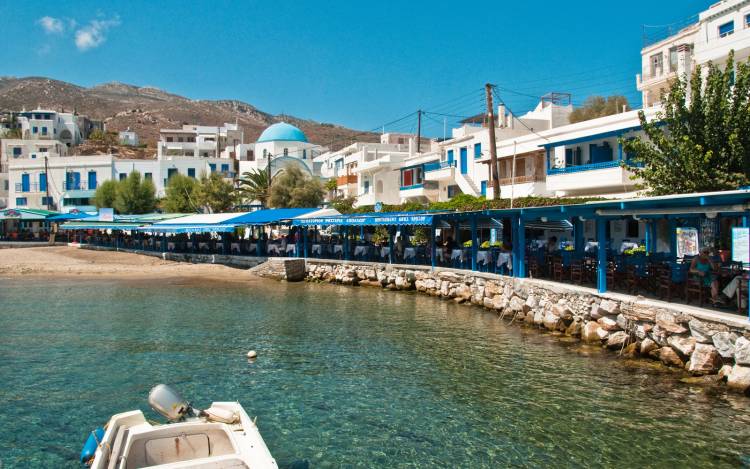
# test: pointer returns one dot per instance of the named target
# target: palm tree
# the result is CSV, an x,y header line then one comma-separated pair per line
x,y
254,185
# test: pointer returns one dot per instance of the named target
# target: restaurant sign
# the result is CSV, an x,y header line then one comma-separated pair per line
x,y
741,245
369,220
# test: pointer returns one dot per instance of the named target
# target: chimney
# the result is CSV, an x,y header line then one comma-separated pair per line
x,y
501,117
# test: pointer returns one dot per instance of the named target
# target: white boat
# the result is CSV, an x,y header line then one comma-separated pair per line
x,y
222,436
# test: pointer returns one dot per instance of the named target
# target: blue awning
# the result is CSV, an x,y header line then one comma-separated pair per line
x,y
83,225
270,216
379,219
70,216
188,228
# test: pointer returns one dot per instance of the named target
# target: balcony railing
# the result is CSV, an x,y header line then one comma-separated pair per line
x,y
438,165
347,179
31,187
413,186
590,167
520,180
73,186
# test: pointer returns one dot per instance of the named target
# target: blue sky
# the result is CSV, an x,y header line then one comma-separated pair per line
x,y
359,64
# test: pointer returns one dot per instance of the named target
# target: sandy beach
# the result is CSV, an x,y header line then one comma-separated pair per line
x,y
70,261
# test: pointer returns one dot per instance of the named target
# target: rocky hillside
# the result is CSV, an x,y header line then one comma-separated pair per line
x,y
146,110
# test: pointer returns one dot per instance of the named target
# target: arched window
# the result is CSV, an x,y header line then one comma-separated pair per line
x,y
286,152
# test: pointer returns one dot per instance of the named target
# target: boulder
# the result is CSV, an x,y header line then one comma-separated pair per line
x,y
622,321
551,321
608,324
601,333
574,329
588,333
500,302
487,302
701,331
659,336
532,302
516,304
704,360
682,345
670,358
631,350
462,291
618,340
739,378
742,351
668,322
640,332
492,289
647,346
724,343
529,318
609,307
538,317
724,372
562,312
596,313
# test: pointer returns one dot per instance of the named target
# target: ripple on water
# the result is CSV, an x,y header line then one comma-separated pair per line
x,y
345,376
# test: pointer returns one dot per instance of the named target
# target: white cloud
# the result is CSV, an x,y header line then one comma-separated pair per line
x,y
51,25
93,34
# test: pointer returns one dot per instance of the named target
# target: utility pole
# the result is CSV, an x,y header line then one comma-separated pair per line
x,y
46,181
419,130
493,145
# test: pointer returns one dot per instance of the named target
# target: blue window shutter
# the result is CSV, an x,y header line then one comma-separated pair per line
x,y
726,29
477,150
224,168
42,182
20,201
484,188
92,180
450,156
191,172
25,184
212,166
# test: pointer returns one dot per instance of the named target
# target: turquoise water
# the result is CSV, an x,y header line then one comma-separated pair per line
x,y
346,377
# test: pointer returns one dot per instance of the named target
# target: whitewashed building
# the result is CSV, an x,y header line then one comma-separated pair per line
x,y
279,146
723,27
128,137
47,124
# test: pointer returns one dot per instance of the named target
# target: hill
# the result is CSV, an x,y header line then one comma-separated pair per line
x,y
146,109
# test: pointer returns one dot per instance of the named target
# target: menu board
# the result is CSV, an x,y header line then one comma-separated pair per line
x,y
741,245
687,242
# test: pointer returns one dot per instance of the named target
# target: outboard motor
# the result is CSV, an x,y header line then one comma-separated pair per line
x,y
169,403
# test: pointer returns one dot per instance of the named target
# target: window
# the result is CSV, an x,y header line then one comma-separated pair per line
x,y
286,152
42,183
400,141
411,177
17,152
632,229
47,201
43,150
25,183
726,29
367,187
484,188
477,150
21,201
304,154
35,130
673,59
747,20
171,172
450,156
213,167
170,139
224,168
179,139
44,130
250,155
657,64
123,176
6,185
265,153
191,172
92,180
148,176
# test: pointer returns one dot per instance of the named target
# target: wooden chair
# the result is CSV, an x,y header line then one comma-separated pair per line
x,y
558,271
694,287
632,281
614,276
742,292
533,267
576,272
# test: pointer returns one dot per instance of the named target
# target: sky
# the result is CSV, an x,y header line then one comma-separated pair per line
x,y
357,64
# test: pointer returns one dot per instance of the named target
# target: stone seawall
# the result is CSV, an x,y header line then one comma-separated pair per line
x,y
713,346
240,262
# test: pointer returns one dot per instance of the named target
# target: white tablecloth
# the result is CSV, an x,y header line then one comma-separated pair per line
x,y
384,251
410,253
272,248
457,254
628,245
316,249
503,258
338,248
360,250
590,246
291,248
170,246
483,257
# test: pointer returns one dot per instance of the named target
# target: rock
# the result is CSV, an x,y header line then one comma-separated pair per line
x,y
659,336
550,320
529,318
487,302
538,317
588,333
618,340
669,357
622,321
647,346
739,378
682,345
640,332
668,322
574,329
608,324
500,302
724,343
596,313
701,331
562,312
609,307
631,350
252,354
724,372
532,302
704,360
601,333
516,304
742,351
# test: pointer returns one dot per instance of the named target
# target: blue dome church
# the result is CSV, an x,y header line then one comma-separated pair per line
x,y
283,144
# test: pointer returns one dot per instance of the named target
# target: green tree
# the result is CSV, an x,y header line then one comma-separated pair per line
x,y
214,194
105,194
180,194
701,140
254,185
599,106
135,195
293,188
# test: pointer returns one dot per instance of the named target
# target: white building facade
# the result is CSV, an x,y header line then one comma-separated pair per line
x,y
279,146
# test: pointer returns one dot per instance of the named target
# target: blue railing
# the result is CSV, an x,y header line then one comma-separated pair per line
x,y
438,165
590,167
413,186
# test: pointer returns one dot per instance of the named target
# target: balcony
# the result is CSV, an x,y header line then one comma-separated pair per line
x,y
346,180
521,180
426,190
595,176
439,170
31,187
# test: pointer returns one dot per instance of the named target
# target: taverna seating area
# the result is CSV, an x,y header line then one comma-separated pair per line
x,y
636,246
